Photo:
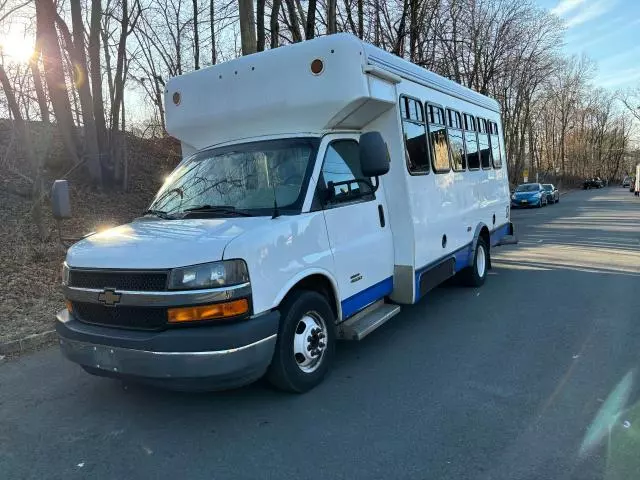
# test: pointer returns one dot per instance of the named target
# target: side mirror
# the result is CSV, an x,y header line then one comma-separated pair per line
x,y
374,155
60,203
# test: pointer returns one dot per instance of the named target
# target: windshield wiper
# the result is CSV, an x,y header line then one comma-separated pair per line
x,y
159,213
227,209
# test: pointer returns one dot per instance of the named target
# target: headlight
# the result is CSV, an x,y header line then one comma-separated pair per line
x,y
513,197
209,275
65,274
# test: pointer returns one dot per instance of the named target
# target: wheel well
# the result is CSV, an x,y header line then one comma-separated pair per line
x,y
317,283
484,234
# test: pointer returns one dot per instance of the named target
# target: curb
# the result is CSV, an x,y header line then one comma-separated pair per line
x,y
29,342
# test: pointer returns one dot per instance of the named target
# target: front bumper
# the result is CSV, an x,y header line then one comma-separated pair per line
x,y
196,358
525,202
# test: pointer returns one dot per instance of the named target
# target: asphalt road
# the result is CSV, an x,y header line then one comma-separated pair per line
x,y
532,376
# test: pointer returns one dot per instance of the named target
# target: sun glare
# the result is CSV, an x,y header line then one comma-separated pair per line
x,y
16,47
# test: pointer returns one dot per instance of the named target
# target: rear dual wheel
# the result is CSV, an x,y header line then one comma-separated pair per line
x,y
476,274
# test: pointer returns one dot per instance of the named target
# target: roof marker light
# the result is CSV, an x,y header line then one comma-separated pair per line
x,y
317,66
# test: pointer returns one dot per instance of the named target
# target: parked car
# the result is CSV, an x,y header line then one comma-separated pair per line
x,y
594,182
626,183
529,195
553,195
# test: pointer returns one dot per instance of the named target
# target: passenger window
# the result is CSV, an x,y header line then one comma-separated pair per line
x,y
456,141
342,168
471,142
415,135
496,154
483,143
438,139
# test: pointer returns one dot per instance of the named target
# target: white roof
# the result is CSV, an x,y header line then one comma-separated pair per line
x,y
274,92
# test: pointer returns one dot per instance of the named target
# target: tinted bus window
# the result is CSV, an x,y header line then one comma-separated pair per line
x,y
415,135
471,142
456,141
438,139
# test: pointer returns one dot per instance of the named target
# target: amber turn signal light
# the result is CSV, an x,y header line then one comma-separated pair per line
x,y
69,306
208,312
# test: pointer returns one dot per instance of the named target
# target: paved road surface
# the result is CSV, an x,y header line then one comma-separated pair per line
x,y
503,382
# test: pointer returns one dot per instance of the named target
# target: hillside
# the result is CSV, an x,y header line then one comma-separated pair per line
x,y
29,294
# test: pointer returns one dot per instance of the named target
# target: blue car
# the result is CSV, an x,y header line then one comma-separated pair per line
x,y
529,195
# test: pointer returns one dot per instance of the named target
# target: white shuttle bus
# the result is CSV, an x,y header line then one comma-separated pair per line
x,y
324,185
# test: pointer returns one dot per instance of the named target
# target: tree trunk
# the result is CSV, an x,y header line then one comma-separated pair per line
x,y
54,75
86,101
331,17
39,88
96,77
196,39
274,24
118,81
293,21
212,30
360,19
260,25
310,29
247,27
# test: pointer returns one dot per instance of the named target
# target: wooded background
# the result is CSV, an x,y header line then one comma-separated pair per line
x,y
98,69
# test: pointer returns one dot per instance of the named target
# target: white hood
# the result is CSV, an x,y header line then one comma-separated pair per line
x,y
159,244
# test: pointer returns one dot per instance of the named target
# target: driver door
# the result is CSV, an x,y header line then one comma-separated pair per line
x,y
357,225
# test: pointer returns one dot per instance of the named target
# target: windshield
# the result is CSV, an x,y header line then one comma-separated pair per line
x,y
243,178
547,187
528,187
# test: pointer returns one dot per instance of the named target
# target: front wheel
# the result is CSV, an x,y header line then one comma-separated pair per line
x,y
476,274
306,343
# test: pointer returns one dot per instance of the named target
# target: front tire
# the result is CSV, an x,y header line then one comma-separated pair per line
x,y
476,274
306,343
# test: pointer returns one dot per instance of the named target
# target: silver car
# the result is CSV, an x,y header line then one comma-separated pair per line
x,y
553,195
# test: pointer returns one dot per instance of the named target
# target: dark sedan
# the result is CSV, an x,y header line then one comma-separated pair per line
x,y
553,195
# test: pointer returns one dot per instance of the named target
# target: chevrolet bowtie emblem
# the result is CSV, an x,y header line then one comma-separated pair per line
x,y
109,297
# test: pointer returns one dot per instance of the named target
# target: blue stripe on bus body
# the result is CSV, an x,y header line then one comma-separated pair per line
x,y
366,297
498,233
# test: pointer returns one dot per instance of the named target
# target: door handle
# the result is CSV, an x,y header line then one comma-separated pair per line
x,y
381,215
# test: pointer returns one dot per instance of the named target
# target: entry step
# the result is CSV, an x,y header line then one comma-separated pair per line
x,y
365,322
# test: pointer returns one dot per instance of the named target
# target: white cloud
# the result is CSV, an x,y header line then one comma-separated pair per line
x,y
590,12
565,6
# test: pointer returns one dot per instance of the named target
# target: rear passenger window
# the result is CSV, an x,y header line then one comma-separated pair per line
x,y
496,154
471,142
456,141
438,139
483,143
415,135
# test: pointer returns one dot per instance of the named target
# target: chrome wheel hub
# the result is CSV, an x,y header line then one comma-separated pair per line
x,y
310,342
481,261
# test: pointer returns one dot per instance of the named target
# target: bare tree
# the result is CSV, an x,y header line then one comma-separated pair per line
x,y
247,26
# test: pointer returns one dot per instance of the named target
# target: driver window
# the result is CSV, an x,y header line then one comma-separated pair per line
x,y
342,167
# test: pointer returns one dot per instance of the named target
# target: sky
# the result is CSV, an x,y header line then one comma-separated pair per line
x,y
608,32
